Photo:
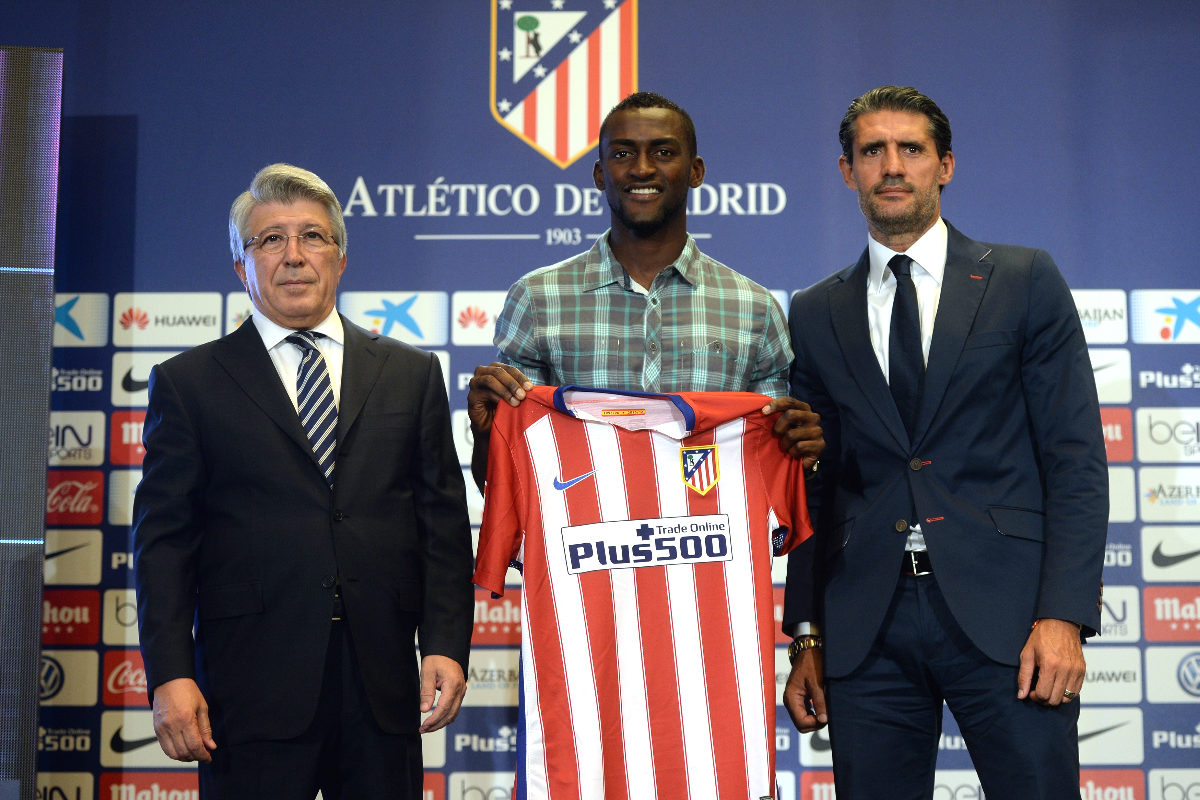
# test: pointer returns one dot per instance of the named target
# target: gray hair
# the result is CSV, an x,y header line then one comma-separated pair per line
x,y
282,183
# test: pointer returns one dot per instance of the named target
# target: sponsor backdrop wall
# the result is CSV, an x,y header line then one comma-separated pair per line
x,y
463,157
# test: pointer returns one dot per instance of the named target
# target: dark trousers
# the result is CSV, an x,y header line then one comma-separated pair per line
x,y
344,754
885,718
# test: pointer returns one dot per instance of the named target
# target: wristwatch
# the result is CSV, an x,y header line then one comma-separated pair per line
x,y
807,641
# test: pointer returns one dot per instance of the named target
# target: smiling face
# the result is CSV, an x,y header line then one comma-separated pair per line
x,y
897,174
646,169
295,288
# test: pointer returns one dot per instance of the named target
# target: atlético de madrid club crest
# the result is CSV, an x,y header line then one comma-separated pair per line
x,y
558,66
700,468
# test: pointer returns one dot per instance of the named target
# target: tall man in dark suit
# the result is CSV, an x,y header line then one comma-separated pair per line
x,y
302,506
961,504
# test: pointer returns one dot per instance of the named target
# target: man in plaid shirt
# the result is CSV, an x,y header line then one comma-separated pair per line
x,y
643,309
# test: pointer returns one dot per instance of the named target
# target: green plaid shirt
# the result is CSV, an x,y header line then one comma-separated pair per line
x,y
702,327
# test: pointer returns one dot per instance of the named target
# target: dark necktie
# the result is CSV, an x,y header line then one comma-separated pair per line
x,y
906,364
314,396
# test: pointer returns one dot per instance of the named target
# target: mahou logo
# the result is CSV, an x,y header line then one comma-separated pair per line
x,y
1172,613
149,785
125,438
1112,784
73,497
134,318
70,616
497,621
124,678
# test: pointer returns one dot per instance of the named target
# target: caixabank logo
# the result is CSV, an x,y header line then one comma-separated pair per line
x,y
1165,316
418,318
80,319
556,72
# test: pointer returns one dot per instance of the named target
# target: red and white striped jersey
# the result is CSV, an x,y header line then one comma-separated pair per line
x,y
645,527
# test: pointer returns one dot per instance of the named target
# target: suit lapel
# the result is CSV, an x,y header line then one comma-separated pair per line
x,y
966,277
848,316
362,362
244,356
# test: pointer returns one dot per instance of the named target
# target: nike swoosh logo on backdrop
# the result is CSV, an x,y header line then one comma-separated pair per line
x,y
64,551
564,485
1161,559
130,385
121,745
1092,734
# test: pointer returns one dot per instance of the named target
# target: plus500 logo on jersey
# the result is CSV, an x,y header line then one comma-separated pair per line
x,y
646,543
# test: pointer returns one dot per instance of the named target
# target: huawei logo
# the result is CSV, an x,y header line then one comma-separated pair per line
x,y
472,317
134,317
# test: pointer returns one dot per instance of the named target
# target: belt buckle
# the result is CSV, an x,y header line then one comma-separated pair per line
x,y
913,563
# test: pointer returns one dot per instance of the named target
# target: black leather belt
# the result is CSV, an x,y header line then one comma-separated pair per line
x,y
916,562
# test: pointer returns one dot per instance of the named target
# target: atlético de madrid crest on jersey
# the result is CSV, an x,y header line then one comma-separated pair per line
x,y
558,66
701,471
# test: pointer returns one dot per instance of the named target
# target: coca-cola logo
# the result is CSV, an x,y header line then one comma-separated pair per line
x,y
73,497
125,678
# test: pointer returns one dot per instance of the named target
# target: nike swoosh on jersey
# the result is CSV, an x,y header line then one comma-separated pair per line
x,y
1161,559
564,485
122,745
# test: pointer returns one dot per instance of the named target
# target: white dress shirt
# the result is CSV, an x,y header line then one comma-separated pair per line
x,y
929,265
286,356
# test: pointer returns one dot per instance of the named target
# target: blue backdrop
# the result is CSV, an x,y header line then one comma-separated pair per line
x,y
1074,127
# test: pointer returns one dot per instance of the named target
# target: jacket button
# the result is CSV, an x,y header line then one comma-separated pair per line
x,y
328,581
338,516
915,464
901,525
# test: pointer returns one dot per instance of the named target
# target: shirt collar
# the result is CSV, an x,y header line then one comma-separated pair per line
x,y
928,252
602,267
272,334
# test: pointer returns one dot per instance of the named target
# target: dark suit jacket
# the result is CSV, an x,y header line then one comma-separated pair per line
x,y
236,530
1007,467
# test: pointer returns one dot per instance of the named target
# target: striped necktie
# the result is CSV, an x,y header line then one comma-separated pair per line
x,y
314,396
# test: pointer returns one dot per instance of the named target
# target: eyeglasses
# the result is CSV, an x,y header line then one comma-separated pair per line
x,y
273,242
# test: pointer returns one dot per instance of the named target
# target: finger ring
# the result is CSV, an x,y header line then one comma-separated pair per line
x,y
1069,695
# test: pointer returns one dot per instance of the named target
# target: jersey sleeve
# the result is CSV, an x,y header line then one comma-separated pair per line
x,y
783,479
501,533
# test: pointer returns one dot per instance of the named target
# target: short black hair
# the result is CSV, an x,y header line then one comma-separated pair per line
x,y
652,100
894,98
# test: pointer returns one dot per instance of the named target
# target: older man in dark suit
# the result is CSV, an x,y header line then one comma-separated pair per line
x,y
301,517
962,501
